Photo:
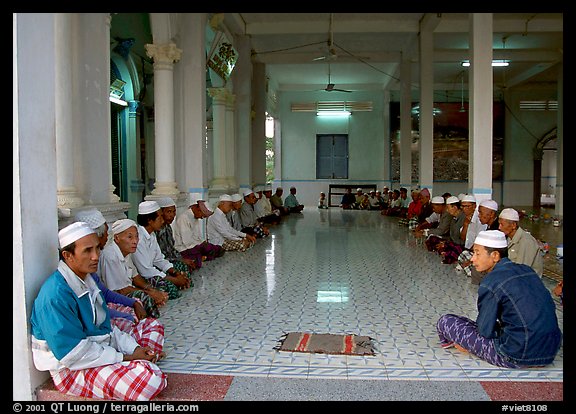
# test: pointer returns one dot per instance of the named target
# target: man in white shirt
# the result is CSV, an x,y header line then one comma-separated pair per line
x,y
221,233
263,208
248,217
148,258
190,234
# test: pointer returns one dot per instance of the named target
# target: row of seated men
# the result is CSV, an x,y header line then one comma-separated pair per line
x,y
94,323
390,202
450,225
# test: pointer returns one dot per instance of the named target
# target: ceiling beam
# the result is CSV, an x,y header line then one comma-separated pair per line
x,y
530,73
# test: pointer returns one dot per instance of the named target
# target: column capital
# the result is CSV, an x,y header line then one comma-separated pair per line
x,y
220,95
230,101
163,55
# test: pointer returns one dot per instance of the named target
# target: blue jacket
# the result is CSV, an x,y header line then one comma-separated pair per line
x,y
518,312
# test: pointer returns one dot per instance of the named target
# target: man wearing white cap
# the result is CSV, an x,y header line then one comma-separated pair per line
x,y
488,216
522,246
166,241
450,247
124,311
233,215
72,336
148,258
190,234
438,222
94,218
220,231
470,229
516,326
248,217
119,272
263,208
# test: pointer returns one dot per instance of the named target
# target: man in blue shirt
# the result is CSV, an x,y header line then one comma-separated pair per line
x,y
516,325
72,336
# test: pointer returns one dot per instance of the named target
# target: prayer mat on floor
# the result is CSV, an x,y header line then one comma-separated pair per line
x,y
326,343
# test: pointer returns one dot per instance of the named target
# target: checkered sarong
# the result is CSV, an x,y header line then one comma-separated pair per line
x,y
147,332
464,257
234,245
138,380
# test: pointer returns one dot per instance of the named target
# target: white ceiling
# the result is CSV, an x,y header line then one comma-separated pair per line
x,y
369,47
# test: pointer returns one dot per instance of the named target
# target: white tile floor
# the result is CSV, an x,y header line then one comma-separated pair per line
x,y
329,271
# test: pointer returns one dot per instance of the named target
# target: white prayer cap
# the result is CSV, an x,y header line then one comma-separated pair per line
x,y
438,200
236,197
166,202
73,232
452,200
491,238
491,204
147,207
509,214
92,217
469,198
258,188
461,196
247,192
123,224
358,189
225,197
205,207
194,198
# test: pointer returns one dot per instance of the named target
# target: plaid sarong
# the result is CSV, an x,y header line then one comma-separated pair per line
x,y
158,282
149,304
462,265
234,245
147,332
137,380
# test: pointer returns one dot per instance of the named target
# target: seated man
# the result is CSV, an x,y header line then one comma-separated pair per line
x,y
72,336
119,273
190,234
516,326
438,222
348,200
124,310
149,259
488,216
263,207
358,198
322,202
522,246
248,217
277,203
291,203
221,233
165,237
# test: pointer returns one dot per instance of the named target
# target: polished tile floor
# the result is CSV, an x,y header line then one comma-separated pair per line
x,y
329,271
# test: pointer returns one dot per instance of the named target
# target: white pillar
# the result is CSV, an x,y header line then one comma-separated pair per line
x,y
231,143
559,205
242,77
164,57
67,193
405,124
481,107
426,159
258,121
191,131
219,183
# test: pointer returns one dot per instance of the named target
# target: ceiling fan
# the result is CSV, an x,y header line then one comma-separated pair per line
x,y
330,86
331,49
